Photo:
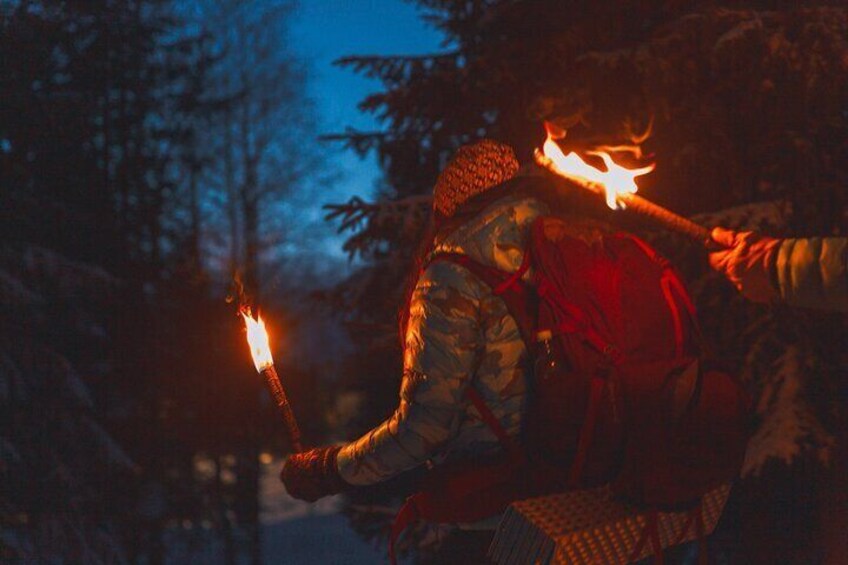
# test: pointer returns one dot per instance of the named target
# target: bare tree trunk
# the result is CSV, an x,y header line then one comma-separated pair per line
x,y
254,91
194,211
249,471
232,192
226,525
250,214
250,201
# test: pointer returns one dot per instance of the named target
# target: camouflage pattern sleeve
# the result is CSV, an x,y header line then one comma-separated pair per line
x,y
813,272
444,342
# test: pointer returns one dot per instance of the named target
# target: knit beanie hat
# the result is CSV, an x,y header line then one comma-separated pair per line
x,y
475,168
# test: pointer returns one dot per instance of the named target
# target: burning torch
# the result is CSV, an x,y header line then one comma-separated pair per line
x,y
617,184
257,338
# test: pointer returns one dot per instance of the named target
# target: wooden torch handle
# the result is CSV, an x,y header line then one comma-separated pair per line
x,y
275,387
669,219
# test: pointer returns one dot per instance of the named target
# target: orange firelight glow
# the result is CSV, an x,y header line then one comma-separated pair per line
x,y
614,182
257,338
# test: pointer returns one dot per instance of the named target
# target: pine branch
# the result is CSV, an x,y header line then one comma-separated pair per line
x,y
361,142
394,68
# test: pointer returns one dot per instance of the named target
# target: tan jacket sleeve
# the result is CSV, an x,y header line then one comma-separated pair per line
x,y
443,345
813,272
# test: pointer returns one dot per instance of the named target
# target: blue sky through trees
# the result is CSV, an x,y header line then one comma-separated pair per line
x,y
324,31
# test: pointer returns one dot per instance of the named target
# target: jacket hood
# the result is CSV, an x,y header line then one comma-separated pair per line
x,y
498,235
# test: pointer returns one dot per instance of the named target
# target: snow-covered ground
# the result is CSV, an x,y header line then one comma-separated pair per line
x,y
295,532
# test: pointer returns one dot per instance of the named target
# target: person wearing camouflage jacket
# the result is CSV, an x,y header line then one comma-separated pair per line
x,y
808,272
458,335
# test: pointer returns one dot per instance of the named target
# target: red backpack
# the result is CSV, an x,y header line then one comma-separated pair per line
x,y
619,393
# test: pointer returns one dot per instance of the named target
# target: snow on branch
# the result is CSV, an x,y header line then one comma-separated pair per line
x,y
767,217
789,424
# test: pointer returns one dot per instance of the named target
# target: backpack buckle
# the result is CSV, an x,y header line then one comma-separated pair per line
x,y
612,353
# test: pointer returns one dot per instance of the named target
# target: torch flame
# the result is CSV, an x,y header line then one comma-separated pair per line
x,y
257,339
616,180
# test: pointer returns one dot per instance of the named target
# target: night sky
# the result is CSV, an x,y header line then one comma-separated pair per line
x,y
324,31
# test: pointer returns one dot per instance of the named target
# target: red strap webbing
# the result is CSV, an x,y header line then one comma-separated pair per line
x,y
407,514
647,249
515,277
513,449
650,532
421,504
676,284
596,389
675,315
681,292
574,320
508,286
499,281
671,281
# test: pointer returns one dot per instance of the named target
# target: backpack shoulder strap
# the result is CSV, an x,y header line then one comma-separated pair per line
x,y
515,295
513,450
672,285
519,297
499,281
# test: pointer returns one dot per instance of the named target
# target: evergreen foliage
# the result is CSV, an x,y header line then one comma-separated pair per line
x,y
125,435
58,465
741,104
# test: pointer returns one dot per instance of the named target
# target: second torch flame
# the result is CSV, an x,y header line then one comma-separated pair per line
x,y
260,350
257,339
614,182
617,184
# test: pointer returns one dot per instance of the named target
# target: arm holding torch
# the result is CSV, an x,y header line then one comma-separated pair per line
x,y
803,272
807,272
310,474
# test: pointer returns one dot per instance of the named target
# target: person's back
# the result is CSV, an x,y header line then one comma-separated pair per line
x,y
458,334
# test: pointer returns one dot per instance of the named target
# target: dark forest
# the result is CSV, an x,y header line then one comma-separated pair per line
x,y
150,157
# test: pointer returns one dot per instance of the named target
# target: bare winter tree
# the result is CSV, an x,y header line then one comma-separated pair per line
x,y
257,120
260,123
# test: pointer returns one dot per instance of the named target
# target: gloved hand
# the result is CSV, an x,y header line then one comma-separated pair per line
x,y
746,262
312,474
